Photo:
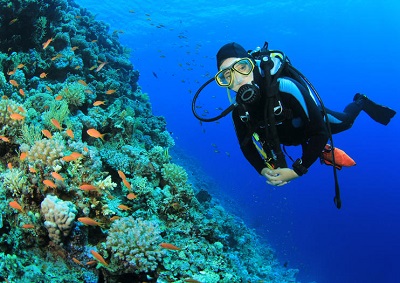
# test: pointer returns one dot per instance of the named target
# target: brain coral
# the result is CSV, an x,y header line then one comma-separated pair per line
x,y
135,244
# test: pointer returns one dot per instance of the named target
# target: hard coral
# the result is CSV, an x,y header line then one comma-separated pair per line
x,y
135,245
59,215
46,151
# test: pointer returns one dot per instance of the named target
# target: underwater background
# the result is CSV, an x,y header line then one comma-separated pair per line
x,y
342,47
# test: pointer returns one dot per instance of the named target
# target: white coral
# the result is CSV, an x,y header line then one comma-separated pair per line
x,y
59,215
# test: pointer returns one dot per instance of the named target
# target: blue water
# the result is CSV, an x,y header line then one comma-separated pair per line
x,y
343,47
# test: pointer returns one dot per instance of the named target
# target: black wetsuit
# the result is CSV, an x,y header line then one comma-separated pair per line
x,y
305,125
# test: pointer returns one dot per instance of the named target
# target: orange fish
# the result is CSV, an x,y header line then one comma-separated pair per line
x,y
82,82
70,133
99,257
115,217
9,165
88,91
32,170
127,184
20,66
14,83
17,117
88,187
46,44
10,73
124,207
49,183
57,176
77,261
74,48
77,67
101,66
73,156
98,103
169,246
5,139
28,226
85,149
91,262
20,108
12,21
21,92
95,133
23,155
16,205
56,124
131,196
88,221
50,90
43,75
121,175
110,91
58,97
47,134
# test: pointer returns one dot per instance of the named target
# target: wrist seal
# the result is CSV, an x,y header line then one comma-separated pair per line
x,y
299,168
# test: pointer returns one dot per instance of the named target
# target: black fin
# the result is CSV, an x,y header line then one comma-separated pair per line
x,y
379,113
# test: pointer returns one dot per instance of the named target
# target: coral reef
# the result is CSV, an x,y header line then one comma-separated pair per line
x,y
87,179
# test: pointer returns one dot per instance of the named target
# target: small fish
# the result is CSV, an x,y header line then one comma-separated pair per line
x,y
23,156
110,91
88,187
57,176
127,184
88,91
82,82
77,67
16,205
99,257
85,149
77,261
121,175
131,196
4,139
73,156
21,92
14,83
124,207
28,226
12,21
95,133
50,184
99,102
50,90
46,44
10,73
191,280
32,170
115,217
169,246
101,66
58,97
74,48
56,124
17,117
92,262
9,165
155,75
70,133
20,66
88,221
43,75
47,134
93,67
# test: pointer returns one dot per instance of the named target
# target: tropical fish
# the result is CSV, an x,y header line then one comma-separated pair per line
x,y
23,156
9,165
16,205
12,21
115,217
46,44
127,184
191,280
131,196
57,176
14,83
121,175
5,139
95,133
49,183
101,66
88,187
43,75
17,117
98,103
88,221
99,257
47,134
124,207
58,97
20,66
56,124
28,226
77,261
169,246
21,92
110,91
70,133
82,82
73,156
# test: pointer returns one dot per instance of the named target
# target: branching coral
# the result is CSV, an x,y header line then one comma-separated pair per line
x,y
46,152
135,245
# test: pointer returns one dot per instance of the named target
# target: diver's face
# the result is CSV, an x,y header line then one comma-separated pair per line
x,y
238,79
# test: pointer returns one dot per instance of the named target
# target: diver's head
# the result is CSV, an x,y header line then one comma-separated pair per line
x,y
235,67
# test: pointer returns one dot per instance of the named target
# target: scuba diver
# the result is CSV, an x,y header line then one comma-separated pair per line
x,y
275,105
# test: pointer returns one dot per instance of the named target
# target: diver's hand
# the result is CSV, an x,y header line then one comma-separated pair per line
x,y
279,176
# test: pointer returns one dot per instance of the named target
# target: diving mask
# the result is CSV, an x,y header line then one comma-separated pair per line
x,y
243,66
